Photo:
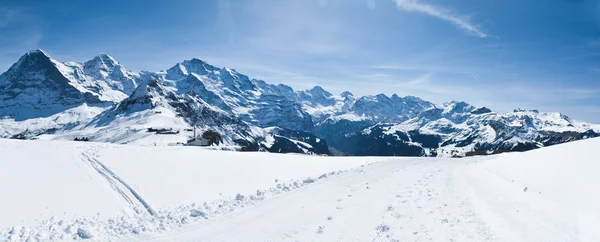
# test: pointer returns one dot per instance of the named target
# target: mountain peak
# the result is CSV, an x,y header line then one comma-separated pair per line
x,y
198,60
147,90
103,61
37,52
457,107
194,65
33,60
346,94
317,90
106,58
382,96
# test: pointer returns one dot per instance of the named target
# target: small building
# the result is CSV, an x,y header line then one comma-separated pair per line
x,y
207,138
198,141
163,130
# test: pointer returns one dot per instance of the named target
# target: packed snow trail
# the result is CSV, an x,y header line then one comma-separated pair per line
x,y
398,200
402,200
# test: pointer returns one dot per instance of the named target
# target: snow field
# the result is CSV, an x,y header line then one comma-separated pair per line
x,y
100,192
59,187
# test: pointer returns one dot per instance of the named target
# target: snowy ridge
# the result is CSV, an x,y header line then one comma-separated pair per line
x,y
102,101
459,129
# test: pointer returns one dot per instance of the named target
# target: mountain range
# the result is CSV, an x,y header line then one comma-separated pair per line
x,y
42,98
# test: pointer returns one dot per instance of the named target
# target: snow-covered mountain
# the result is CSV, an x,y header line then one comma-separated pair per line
x,y
39,94
103,101
459,129
251,100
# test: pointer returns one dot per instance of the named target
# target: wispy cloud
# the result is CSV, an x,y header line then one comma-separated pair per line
x,y
296,28
442,13
594,42
475,76
7,16
424,79
371,76
429,69
578,94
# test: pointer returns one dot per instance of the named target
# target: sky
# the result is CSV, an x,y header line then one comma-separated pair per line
x,y
502,54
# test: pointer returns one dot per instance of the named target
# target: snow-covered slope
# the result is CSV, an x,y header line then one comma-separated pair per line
x,y
153,105
69,190
76,185
103,101
548,194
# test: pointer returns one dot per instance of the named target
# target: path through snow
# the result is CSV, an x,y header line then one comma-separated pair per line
x,y
183,194
397,200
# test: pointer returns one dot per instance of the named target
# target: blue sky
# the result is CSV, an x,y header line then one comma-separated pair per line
x,y
503,54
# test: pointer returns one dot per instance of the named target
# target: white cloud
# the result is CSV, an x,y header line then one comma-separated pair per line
x,y
8,16
442,13
424,79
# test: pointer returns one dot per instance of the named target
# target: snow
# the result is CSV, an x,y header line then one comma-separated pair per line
x,y
75,190
132,129
45,179
93,184
561,192
69,117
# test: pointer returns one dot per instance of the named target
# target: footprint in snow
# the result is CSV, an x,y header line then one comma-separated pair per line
x,y
382,228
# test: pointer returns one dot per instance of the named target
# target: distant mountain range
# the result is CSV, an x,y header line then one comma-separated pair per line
x,y
41,98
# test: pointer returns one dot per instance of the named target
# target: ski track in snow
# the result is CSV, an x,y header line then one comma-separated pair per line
x,y
145,222
124,189
410,199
